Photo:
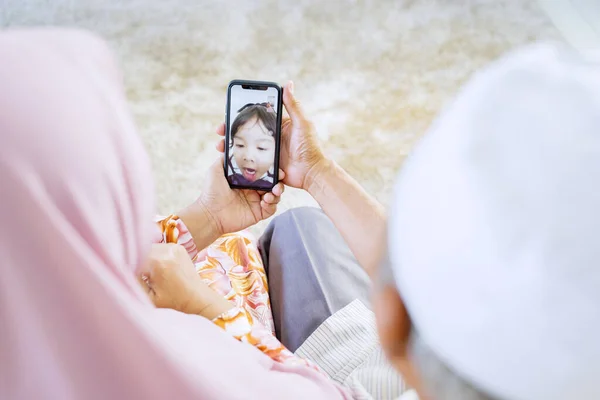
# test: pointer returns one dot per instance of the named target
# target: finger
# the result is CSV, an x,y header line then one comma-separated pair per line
x,y
221,146
146,285
268,209
270,198
278,189
252,196
217,167
281,174
221,129
219,162
147,269
143,279
291,104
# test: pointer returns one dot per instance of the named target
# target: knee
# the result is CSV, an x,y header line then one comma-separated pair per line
x,y
293,223
286,237
303,212
306,215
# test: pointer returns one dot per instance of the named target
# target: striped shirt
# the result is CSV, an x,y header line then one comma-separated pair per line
x,y
346,348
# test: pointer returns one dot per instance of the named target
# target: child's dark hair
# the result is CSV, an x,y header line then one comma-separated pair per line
x,y
259,111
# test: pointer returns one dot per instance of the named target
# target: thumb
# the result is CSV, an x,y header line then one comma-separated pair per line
x,y
219,165
292,105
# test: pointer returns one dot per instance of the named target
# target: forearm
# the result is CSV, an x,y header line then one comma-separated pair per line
x,y
202,226
359,217
191,229
212,307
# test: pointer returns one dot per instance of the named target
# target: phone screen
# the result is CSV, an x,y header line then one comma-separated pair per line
x,y
252,140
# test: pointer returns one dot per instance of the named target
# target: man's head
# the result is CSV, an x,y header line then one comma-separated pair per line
x,y
492,283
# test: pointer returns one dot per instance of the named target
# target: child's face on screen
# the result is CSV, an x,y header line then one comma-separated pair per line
x,y
253,149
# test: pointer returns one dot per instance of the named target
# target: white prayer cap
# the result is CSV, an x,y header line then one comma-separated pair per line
x,y
494,233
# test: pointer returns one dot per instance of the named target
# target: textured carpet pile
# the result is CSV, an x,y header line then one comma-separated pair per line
x,y
371,74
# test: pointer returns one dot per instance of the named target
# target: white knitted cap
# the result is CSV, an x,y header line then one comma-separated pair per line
x,y
494,233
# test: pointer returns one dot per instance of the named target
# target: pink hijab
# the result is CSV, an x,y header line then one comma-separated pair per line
x,y
76,221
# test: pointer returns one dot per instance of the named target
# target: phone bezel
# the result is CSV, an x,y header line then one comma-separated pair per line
x,y
241,82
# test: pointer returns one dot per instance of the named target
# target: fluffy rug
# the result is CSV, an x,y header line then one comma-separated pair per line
x,y
372,74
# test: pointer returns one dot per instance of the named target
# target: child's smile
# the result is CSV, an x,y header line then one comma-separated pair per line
x,y
249,173
254,150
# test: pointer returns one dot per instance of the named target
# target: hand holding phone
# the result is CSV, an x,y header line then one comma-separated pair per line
x,y
253,134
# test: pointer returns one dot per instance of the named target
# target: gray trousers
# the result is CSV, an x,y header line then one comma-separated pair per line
x,y
311,272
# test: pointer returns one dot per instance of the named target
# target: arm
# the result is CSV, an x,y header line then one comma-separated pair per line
x,y
201,225
358,216
220,209
171,281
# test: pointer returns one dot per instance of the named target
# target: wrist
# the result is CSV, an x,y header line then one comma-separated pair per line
x,y
316,174
216,309
202,224
208,304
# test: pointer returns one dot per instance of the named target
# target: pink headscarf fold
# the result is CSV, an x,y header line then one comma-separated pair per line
x,y
76,221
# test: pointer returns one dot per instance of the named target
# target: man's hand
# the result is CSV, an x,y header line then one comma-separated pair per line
x,y
301,156
356,215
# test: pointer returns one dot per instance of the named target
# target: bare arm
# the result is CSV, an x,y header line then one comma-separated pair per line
x,y
358,216
220,209
202,226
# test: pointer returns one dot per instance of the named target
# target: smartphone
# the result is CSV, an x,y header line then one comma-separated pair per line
x,y
252,134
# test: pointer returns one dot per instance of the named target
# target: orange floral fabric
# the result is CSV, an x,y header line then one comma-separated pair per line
x,y
239,323
232,266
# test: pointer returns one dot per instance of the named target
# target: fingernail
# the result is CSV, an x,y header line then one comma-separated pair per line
x,y
291,87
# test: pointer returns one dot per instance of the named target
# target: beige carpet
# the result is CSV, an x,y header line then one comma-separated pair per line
x,y
372,74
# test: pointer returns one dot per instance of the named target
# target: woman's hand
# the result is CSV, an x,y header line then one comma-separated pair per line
x,y
301,156
220,209
170,280
237,209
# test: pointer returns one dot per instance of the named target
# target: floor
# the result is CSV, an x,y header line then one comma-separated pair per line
x,y
372,74
577,20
